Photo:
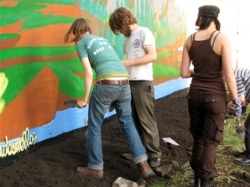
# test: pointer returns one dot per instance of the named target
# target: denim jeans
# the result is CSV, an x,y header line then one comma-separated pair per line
x,y
102,96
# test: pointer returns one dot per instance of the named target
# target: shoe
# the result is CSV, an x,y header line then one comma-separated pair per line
x,y
206,183
245,161
89,172
197,181
239,153
145,169
155,162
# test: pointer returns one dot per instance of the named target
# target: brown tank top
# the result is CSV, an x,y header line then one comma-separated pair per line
x,y
207,66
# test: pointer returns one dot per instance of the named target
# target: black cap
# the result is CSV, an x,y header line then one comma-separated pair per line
x,y
209,11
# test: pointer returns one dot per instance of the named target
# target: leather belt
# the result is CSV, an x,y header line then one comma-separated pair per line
x,y
123,81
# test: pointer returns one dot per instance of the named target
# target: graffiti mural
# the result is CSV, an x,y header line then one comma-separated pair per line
x,y
38,72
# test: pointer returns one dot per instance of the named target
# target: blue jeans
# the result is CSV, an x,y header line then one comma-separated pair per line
x,y
102,96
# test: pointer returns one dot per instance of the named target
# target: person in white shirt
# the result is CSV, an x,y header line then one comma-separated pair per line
x,y
140,50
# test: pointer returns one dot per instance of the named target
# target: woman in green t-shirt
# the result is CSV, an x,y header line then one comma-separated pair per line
x,y
112,87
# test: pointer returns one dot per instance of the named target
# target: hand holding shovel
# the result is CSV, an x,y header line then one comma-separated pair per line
x,y
73,104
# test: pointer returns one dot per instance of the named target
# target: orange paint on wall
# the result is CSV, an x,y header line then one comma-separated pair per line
x,y
34,107
12,28
61,10
9,43
175,58
52,35
8,3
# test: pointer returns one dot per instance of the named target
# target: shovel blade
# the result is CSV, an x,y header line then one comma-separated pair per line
x,y
71,103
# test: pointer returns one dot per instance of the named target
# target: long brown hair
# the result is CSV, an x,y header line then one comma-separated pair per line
x,y
78,27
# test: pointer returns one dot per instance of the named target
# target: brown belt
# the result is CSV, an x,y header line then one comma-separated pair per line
x,y
124,81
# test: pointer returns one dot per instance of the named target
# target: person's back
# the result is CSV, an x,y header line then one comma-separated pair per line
x,y
106,64
111,88
209,52
207,63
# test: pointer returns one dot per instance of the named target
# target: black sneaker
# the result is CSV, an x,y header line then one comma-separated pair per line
x,y
239,153
245,161
206,182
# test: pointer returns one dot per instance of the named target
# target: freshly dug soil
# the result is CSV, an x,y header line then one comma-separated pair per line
x,y
53,163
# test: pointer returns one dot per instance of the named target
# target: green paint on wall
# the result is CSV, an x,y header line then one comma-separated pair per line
x,y
19,76
29,12
162,70
66,71
163,55
8,36
69,82
97,8
35,51
65,2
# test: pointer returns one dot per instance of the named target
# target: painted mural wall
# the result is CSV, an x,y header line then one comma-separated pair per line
x,y
38,72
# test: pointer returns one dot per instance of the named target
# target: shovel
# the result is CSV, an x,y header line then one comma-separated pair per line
x,y
240,130
71,103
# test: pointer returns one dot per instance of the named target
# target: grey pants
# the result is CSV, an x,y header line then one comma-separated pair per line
x,y
143,114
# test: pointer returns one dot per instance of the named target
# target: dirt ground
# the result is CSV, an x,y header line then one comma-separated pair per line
x,y
53,163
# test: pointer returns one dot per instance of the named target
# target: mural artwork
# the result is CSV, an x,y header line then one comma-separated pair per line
x,y
38,72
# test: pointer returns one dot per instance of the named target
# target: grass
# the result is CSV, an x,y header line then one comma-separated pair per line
x,y
226,169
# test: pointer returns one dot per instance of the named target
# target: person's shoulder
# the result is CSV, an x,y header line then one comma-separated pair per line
x,y
191,36
144,29
221,35
189,39
221,39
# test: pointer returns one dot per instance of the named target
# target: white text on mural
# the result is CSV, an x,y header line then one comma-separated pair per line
x,y
11,148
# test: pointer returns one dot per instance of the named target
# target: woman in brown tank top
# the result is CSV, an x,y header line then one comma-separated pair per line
x,y
209,51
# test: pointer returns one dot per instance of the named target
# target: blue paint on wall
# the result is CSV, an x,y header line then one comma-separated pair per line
x,y
75,118
171,86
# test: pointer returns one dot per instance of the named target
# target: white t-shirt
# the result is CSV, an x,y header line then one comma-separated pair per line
x,y
134,47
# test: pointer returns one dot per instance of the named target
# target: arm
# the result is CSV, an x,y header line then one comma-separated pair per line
x,y
149,57
227,65
229,75
186,72
88,82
